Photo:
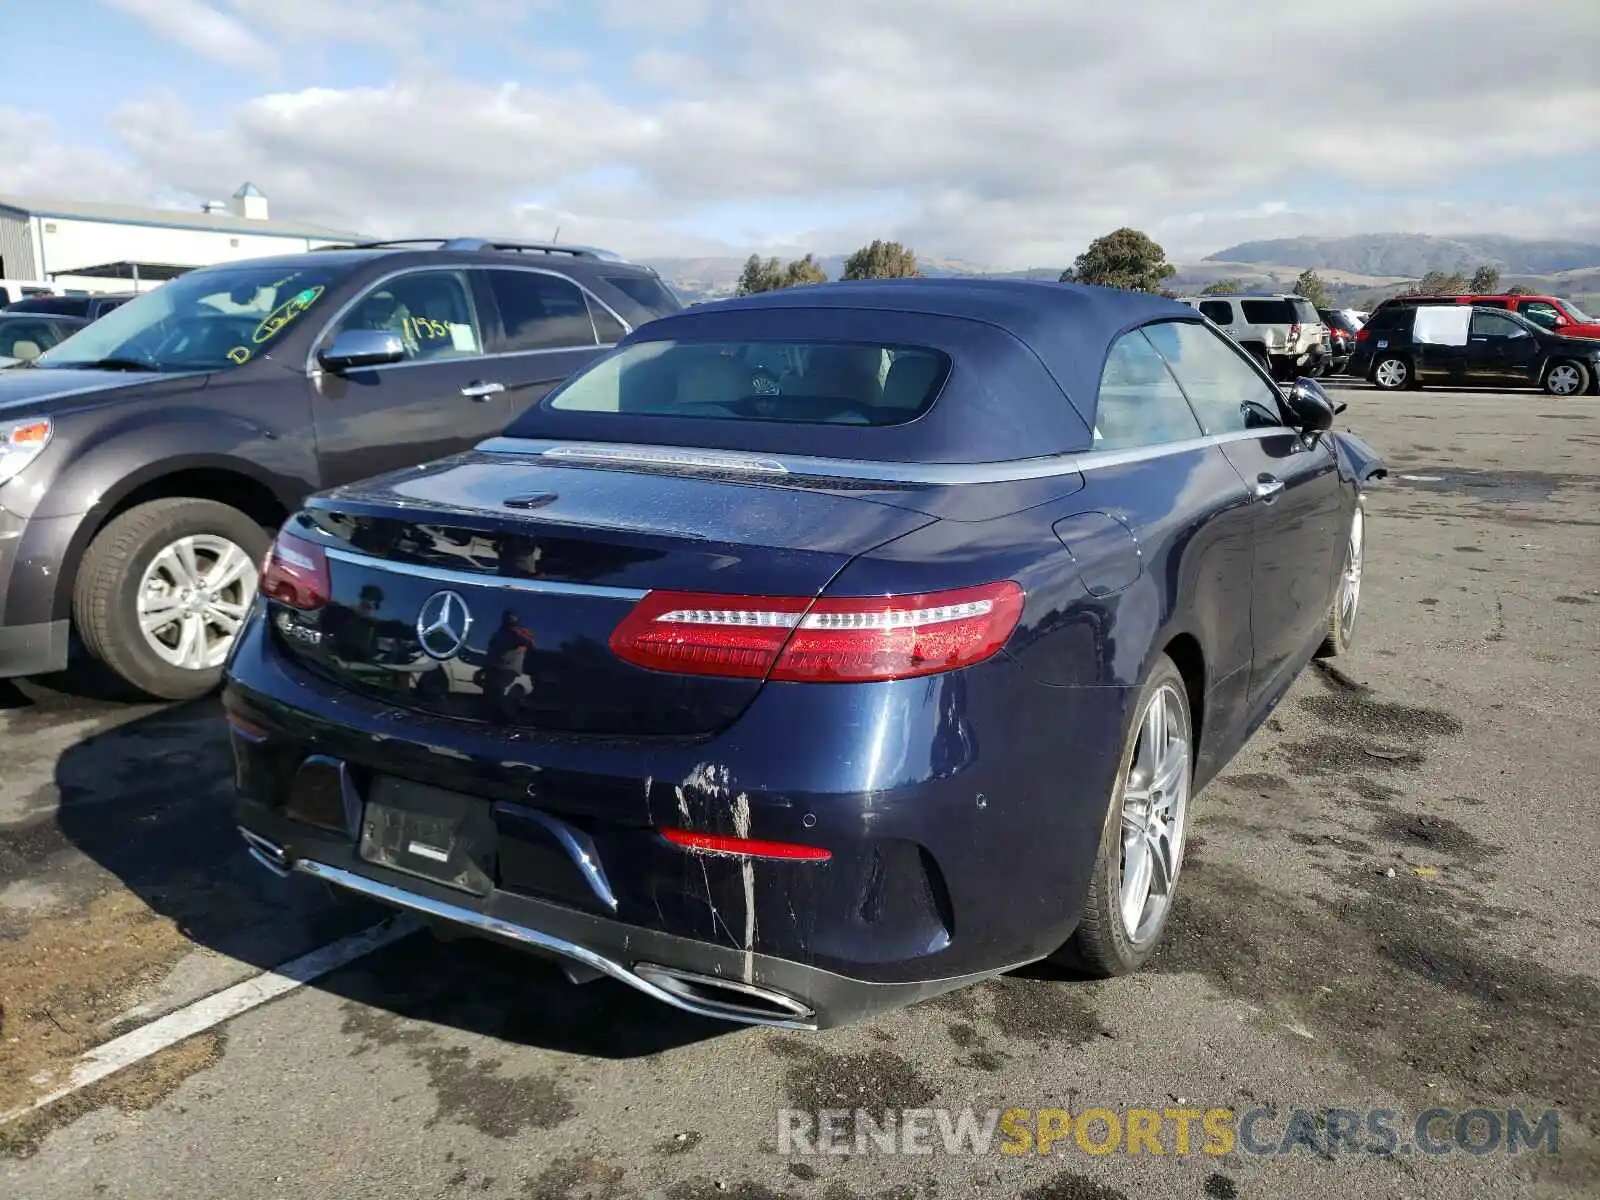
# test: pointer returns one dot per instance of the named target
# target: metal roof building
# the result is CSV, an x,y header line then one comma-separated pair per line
x,y
82,246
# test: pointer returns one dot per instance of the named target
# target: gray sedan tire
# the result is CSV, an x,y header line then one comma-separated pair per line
x,y
161,589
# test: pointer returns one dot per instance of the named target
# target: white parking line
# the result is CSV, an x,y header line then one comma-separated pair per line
x,y
141,1043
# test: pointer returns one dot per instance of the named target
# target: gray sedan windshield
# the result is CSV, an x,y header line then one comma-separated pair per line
x,y
205,321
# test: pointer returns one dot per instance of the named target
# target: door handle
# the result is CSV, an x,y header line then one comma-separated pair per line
x,y
1267,488
482,391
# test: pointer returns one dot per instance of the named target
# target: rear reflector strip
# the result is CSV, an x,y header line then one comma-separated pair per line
x,y
716,843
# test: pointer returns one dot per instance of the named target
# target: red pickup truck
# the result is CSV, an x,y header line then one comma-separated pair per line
x,y
1554,313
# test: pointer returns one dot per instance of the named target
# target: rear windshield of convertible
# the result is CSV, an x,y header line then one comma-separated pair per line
x,y
814,383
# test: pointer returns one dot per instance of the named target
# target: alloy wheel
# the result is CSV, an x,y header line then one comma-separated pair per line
x,y
1564,380
1155,812
1391,373
1350,582
192,599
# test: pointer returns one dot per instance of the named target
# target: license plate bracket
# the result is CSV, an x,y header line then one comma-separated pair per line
x,y
429,832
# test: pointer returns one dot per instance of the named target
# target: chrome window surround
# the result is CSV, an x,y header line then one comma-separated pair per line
x,y
314,369
562,453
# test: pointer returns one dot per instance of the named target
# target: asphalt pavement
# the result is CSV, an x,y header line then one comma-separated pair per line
x,y
1389,905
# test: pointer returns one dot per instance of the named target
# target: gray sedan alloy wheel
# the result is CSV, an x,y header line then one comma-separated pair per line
x,y
192,599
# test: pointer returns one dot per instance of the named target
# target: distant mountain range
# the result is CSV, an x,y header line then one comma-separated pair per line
x,y
1357,269
1412,255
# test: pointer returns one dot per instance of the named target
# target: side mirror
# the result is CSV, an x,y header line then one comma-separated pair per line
x,y
1561,321
1310,410
357,348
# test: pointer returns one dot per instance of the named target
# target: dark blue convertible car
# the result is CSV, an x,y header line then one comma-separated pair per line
x,y
812,653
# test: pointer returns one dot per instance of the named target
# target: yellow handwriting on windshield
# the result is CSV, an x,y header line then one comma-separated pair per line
x,y
286,312
240,355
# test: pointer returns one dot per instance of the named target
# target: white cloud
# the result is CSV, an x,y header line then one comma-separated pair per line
x,y
203,29
1007,134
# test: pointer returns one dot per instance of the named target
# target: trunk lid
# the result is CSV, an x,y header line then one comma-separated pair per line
x,y
541,563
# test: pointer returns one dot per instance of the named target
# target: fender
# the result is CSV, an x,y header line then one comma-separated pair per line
x,y
137,448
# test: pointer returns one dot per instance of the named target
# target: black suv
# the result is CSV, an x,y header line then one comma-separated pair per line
x,y
145,460
1409,345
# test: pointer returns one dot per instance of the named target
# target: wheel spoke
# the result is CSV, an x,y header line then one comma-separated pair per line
x,y
1170,773
183,554
1136,870
227,622
191,642
227,569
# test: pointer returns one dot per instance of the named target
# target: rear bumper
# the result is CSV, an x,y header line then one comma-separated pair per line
x,y
961,824
697,977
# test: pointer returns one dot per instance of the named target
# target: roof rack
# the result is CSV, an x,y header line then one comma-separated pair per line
x,y
593,253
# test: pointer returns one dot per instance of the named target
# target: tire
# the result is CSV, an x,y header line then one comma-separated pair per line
x,y
121,566
1569,377
1341,624
1260,355
1102,945
1392,373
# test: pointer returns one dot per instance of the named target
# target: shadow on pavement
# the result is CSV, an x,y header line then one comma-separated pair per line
x,y
150,801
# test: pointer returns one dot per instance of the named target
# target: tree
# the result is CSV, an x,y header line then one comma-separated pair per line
x,y
1520,290
1310,286
1222,287
1125,259
759,275
802,271
1485,280
1437,283
881,260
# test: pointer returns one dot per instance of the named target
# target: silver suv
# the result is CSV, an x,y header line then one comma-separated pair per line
x,y
1284,332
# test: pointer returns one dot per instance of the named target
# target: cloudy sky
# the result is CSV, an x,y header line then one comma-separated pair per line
x,y
1002,132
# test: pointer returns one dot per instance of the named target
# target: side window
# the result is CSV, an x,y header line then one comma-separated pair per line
x,y
541,312
1492,324
1227,393
1219,311
1540,311
606,327
430,311
1139,404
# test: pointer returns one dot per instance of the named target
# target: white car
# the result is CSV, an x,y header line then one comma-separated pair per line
x,y
1283,332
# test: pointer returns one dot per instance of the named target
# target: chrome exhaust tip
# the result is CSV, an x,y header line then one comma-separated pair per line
x,y
728,999
269,854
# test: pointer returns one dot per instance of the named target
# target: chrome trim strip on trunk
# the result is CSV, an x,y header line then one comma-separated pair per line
x,y
544,587
623,455
496,927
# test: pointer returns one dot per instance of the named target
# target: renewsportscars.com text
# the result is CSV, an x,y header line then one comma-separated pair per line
x,y
1262,1132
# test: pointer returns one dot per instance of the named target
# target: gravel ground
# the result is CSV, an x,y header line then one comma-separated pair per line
x,y
1386,907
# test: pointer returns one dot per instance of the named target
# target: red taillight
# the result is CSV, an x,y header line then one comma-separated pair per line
x,y
295,573
832,640
1361,334
717,843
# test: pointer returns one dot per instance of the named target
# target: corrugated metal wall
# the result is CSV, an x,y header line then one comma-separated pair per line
x,y
16,248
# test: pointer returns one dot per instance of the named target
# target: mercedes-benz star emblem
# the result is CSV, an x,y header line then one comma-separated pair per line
x,y
443,622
